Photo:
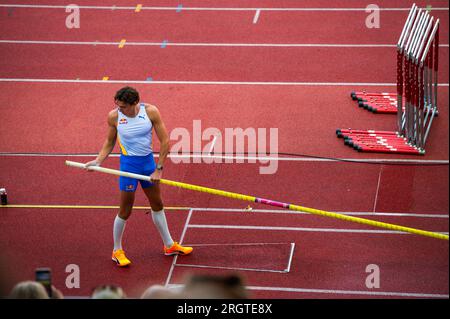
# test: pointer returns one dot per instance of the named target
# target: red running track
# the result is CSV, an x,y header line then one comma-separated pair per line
x,y
323,185
235,64
250,3
322,260
287,27
205,63
306,117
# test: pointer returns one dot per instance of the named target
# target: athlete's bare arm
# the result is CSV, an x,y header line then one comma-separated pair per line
x,y
161,131
110,141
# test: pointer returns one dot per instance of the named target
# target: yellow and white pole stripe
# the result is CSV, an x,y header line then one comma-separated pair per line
x,y
266,202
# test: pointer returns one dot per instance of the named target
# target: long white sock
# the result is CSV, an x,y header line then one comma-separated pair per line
x,y
159,219
119,227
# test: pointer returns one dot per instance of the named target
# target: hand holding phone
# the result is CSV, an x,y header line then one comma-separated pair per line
x,y
44,276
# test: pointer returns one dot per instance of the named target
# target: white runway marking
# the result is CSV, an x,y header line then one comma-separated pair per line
x,y
238,244
172,267
256,17
207,8
229,210
350,292
195,44
305,229
212,144
262,158
378,188
28,80
286,270
230,268
291,255
280,211
339,292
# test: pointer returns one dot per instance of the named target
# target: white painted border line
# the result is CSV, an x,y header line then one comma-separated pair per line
x,y
186,225
231,268
83,207
229,210
341,292
203,82
206,8
262,158
172,267
286,270
304,229
349,292
212,145
193,44
378,188
290,212
291,255
237,244
256,17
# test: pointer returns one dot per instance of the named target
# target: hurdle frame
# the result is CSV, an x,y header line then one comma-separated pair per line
x,y
416,102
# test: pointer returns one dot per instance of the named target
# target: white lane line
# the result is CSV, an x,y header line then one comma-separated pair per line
x,y
286,270
340,292
194,44
279,211
406,215
27,80
256,17
172,267
304,229
212,145
378,188
186,225
237,244
350,292
231,268
262,158
233,210
207,8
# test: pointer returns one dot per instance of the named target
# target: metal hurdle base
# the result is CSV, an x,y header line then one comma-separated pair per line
x,y
377,142
379,102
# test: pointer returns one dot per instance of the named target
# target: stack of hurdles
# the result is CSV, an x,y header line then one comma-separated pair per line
x,y
376,141
415,102
376,102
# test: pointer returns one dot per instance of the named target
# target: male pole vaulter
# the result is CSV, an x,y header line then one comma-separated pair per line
x,y
131,123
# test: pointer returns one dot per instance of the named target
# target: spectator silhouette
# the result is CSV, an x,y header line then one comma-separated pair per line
x,y
33,290
108,292
202,287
